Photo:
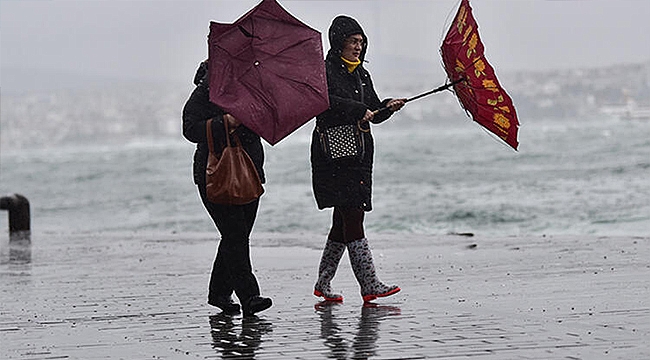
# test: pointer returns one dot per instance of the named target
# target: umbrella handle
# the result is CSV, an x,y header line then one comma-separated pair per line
x,y
438,89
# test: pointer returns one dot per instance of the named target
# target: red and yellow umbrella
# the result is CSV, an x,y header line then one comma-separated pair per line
x,y
474,80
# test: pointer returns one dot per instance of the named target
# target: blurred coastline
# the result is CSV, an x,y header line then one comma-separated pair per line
x,y
69,109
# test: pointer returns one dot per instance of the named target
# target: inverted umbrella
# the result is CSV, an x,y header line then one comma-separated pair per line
x,y
267,70
473,79
475,82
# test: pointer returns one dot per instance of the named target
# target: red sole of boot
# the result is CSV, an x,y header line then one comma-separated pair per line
x,y
367,298
320,294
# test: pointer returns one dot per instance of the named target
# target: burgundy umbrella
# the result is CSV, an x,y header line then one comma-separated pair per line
x,y
267,70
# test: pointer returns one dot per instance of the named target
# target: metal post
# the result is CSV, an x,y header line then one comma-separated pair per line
x,y
19,218
20,249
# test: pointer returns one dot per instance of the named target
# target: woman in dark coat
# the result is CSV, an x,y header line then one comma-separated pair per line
x,y
346,183
232,270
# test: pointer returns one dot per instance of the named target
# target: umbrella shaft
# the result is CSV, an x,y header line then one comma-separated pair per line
x,y
438,89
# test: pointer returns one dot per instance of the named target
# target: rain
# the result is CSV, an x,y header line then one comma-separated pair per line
x,y
535,253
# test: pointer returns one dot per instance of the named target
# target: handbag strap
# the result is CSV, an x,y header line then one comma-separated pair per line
x,y
225,124
208,126
208,131
360,83
359,123
228,135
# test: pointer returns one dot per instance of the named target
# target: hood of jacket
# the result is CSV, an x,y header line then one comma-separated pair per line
x,y
342,27
201,77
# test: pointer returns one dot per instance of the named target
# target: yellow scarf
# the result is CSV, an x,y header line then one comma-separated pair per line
x,y
351,65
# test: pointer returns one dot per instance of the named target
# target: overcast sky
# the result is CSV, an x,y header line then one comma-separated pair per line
x,y
166,39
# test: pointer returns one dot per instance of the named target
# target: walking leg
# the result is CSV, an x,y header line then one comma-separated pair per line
x,y
329,263
364,270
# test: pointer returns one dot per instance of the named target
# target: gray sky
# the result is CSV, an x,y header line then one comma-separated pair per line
x,y
166,39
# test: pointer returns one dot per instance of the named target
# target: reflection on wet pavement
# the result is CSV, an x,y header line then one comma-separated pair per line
x,y
19,249
238,338
364,343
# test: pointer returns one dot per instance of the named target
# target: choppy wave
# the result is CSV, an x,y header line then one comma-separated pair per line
x,y
436,176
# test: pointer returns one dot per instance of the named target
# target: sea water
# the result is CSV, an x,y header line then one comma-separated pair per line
x,y
586,175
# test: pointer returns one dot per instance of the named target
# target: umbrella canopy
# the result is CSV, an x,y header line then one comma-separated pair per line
x,y
478,89
267,70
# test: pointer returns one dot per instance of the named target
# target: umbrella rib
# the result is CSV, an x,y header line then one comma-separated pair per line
x,y
295,45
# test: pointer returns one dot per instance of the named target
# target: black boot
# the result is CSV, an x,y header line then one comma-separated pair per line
x,y
225,303
256,304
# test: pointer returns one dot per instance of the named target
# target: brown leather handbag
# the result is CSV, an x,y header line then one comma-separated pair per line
x,y
231,178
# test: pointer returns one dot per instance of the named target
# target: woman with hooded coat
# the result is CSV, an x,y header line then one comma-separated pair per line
x,y
345,183
232,270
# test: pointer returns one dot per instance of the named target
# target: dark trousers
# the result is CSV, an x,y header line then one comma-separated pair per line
x,y
232,270
347,225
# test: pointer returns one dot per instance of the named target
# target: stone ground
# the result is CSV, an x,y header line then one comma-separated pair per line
x,y
142,296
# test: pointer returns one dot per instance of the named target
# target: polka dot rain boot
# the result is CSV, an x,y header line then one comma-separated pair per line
x,y
329,263
364,270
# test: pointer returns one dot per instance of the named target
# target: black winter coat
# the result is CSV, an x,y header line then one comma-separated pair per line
x,y
345,182
196,112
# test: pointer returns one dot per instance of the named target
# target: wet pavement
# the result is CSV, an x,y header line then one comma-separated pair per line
x,y
142,296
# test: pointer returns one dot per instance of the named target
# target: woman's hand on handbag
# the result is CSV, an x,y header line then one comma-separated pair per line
x,y
367,116
233,122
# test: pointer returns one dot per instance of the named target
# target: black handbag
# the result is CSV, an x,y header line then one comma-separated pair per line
x,y
342,142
